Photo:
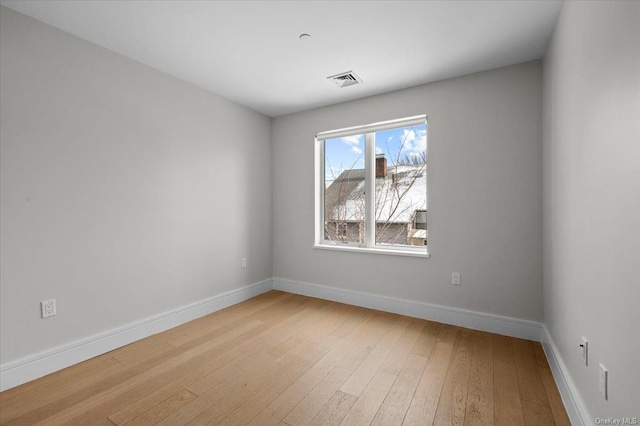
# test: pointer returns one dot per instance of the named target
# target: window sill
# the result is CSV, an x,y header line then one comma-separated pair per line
x,y
377,250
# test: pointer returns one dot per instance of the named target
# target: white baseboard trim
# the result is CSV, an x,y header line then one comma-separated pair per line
x,y
469,319
576,410
26,369
30,368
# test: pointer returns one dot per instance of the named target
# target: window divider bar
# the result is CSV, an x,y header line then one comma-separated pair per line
x,y
370,190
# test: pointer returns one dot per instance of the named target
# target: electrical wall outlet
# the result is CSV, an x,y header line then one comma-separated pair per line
x,y
455,278
585,350
603,378
243,262
48,308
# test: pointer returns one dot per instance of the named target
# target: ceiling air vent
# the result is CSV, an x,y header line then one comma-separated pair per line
x,y
345,79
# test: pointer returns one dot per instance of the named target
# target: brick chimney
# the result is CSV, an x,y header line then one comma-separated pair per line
x,y
381,166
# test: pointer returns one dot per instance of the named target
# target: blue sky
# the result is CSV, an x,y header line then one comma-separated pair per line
x,y
348,152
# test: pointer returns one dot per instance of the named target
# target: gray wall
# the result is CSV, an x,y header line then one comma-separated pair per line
x,y
592,198
125,192
485,195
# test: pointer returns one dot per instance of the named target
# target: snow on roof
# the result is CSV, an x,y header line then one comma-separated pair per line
x,y
398,195
420,233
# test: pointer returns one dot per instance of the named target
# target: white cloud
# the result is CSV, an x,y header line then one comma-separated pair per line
x,y
353,140
414,142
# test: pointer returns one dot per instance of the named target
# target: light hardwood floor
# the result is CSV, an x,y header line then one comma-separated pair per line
x,y
283,359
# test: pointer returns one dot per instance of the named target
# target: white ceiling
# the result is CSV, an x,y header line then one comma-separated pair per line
x,y
249,51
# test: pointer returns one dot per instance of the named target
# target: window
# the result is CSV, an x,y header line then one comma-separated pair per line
x,y
420,219
371,187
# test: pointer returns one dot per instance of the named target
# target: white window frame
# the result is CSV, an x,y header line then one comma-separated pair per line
x,y
369,245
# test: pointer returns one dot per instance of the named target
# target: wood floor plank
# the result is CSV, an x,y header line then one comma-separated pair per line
x,y
397,402
423,406
312,404
103,403
336,314
250,376
334,410
261,309
452,404
162,410
370,400
277,333
447,333
507,401
541,358
342,314
427,338
370,365
205,328
65,410
249,409
255,379
207,365
134,357
555,400
367,333
102,421
529,379
31,396
285,346
217,390
282,359
229,317
400,352
536,414
479,409
357,317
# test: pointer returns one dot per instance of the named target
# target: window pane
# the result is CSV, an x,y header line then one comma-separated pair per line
x,y
344,181
401,186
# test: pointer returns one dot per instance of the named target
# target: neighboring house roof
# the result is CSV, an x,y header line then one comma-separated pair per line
x,y
419,233
398,195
